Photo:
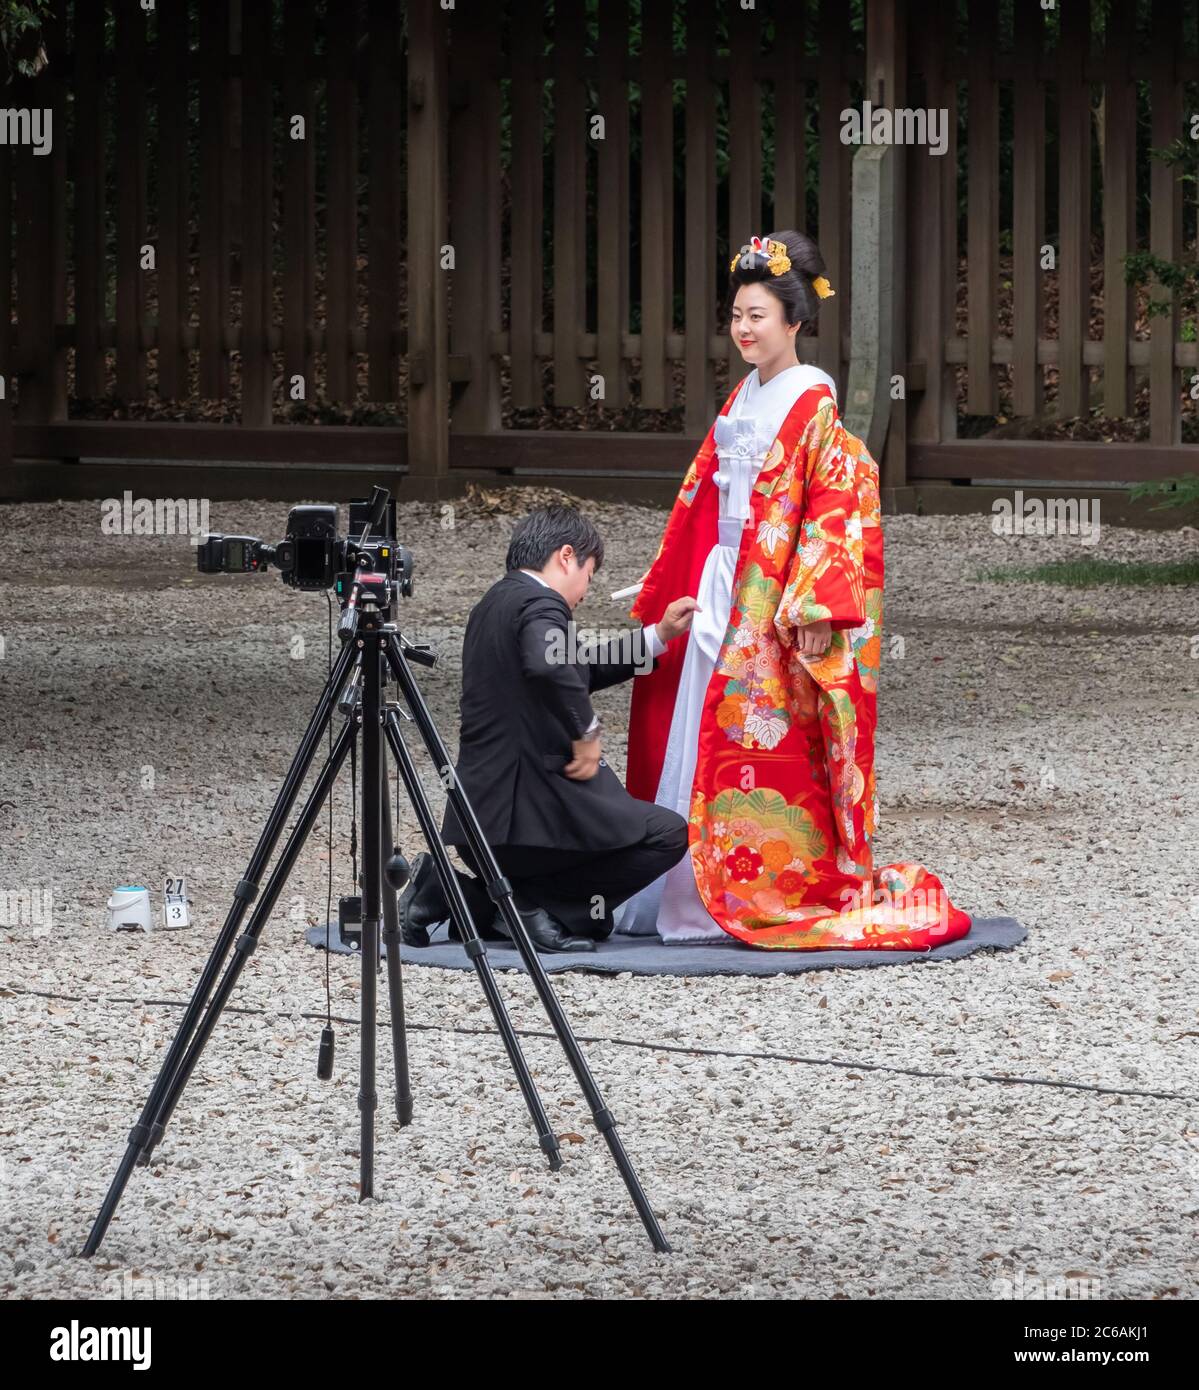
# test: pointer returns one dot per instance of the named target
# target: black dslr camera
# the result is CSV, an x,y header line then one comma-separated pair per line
x,y
312,555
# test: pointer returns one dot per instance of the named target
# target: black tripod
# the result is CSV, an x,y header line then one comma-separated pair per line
x,y
373,646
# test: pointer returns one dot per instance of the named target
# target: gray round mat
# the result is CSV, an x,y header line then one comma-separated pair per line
x,y
648,955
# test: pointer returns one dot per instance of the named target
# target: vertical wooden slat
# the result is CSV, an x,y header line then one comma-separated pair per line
x,y
34,223
6,309
525,308
932,236
745,150
341,203
214,220
383,243
950,235
700,175
131,199
834,186
31,321
475,214
1028,209
570,247
428,321
173,165
257,205
1119,203
299,167
657,205
791,136
1165,220
1074,209
91,274
58,91
982,220
612,226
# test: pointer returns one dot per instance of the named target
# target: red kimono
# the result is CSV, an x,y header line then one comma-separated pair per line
x,y
783,800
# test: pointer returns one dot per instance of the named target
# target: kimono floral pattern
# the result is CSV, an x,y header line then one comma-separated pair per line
x,y
784,799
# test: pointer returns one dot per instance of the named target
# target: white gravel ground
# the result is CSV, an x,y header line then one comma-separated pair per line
x,y
964,1129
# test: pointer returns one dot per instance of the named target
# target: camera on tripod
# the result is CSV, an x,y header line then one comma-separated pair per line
x,y
312,555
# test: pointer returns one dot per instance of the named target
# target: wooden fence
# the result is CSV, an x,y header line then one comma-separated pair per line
x,y
410,221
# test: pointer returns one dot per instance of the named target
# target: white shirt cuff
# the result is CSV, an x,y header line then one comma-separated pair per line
x,y
653,641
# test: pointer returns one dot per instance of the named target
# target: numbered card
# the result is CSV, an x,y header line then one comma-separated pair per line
x,y
174,904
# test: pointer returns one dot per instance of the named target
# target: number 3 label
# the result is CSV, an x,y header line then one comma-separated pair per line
x,y
174,904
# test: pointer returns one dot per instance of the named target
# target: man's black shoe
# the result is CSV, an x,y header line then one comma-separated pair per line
x,y
545,932
421,903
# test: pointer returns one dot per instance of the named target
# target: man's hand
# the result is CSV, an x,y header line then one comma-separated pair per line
x,y
677,618
585,763
813,639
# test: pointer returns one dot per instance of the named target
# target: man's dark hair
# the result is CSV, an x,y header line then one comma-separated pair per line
x,y
538,535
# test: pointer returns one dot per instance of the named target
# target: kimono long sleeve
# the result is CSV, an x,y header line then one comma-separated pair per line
x,y
826,578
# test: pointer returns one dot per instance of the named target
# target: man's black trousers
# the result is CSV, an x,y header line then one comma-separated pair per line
x,y
582,888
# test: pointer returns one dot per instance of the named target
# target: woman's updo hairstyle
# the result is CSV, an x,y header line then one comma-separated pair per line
x,y
794,287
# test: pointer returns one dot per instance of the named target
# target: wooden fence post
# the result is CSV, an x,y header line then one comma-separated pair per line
x,y
341,215
834,233
39,400
91,274
299,205
932,239
428,328
257,244
525,307
570,201
657,207
129,49
612,201
1028,211
744,149
7,489
1165,222
982,218
791,140
1119,203
700,232
213,206
1074,211
383,218
872,358
475,217
886,86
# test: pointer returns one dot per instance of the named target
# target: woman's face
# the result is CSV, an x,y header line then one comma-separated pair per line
x,y
758,327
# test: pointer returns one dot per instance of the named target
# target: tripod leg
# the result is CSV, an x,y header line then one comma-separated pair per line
x,y
395,980
476,949
372,888
248,941
148,1129
602,1116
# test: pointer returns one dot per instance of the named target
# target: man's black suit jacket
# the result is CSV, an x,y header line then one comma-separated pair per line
x,y
520,712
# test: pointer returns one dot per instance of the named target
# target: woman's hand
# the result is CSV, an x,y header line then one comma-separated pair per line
x,y
813,639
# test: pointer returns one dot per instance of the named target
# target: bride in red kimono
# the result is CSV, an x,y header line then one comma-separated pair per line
x,y
758,726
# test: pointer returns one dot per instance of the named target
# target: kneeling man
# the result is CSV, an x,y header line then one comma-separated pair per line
x,y
568,836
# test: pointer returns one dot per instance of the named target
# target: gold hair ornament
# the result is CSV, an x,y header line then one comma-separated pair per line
x,y
777,260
